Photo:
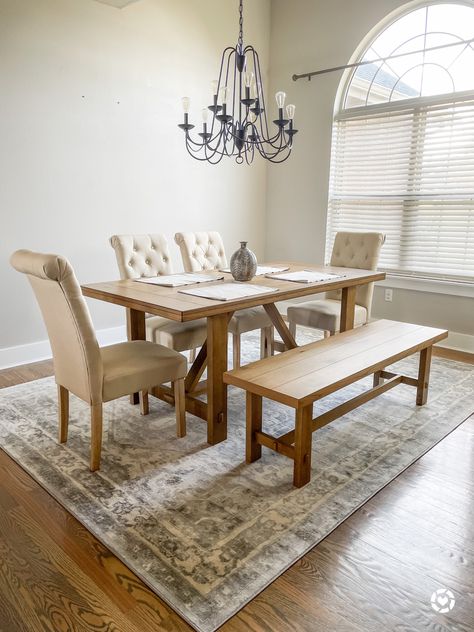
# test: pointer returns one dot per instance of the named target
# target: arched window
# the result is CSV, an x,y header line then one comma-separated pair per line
x,y
403,144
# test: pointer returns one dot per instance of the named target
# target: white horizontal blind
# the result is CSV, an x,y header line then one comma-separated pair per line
x,y
409,173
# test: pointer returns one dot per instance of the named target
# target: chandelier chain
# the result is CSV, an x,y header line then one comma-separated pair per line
x,y
241,24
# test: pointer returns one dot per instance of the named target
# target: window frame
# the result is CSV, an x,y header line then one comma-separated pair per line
x,y
409,281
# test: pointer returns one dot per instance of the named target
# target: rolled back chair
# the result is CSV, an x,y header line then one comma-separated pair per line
x,y
93,374
148,256
201,251
205,251
350,250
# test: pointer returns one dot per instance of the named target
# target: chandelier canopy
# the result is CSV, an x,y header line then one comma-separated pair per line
x,y
238,125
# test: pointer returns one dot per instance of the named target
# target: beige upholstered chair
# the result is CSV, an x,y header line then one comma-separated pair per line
x,y
94,374
148,256
350,250
205,251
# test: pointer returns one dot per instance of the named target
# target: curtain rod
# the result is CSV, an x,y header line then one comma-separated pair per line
x,y
382,59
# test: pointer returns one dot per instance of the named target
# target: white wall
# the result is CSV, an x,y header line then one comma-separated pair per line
x,y
90,100
308,35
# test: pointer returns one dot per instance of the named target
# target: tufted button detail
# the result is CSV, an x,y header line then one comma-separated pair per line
x,y
147,261
153,247
130,263
165,259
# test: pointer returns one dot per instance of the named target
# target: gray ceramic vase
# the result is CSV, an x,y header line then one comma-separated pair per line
x,y
243,263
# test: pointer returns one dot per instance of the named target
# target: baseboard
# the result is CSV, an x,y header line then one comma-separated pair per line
x,y
37,351
458,342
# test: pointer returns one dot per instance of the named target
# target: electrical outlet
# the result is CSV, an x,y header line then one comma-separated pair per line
x,y
389,295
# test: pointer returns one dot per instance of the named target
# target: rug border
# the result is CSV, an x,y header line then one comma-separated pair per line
x,y
177,610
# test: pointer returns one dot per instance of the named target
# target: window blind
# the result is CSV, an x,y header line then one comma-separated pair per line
x,y
408,171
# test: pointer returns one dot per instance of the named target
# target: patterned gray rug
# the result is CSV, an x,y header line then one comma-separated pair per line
x,y
204,530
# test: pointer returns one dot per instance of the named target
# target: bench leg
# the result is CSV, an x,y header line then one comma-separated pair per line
x,y
423,376
253,450
303,437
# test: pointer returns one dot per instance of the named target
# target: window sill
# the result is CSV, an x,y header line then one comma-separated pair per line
x,y
428,285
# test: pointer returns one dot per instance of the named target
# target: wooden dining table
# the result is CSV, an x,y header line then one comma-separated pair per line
x,y
143,298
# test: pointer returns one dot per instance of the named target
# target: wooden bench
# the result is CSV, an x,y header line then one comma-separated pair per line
x,y
303,375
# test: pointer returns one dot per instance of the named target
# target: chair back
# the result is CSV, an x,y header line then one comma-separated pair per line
x,y
201,251
357,250
141,255
76,353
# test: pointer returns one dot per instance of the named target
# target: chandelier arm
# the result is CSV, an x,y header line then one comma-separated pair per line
x,y
249,153
278,150
207,157
226,53
272,156
216,138
212,157
258,72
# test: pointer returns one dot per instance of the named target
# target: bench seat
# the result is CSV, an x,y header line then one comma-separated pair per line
x,y
301,376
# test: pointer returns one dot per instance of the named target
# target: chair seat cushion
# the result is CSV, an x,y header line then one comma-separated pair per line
x,y
178,336
323,314
248,320
130,367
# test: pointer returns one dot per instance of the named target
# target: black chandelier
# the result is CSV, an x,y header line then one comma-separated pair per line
x,y
239,125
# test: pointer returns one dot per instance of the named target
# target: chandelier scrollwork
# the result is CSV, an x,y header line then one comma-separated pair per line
x,y
238,124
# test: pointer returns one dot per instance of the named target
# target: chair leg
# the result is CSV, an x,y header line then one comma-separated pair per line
x,y
63,413
144,404
236,351
292,328
96,436
192,355
180,407
266,342
270,341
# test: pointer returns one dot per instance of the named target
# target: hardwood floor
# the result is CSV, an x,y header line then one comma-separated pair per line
x,y
374,573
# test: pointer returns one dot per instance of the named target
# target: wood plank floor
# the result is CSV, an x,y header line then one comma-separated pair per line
x,y
375,572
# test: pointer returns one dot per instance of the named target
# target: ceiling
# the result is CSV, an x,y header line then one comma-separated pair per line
x,y
119,4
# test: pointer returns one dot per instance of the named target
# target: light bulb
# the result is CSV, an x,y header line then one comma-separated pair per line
x,y
223,92
280,99
214,85
186,101
205,113
290,111
248,78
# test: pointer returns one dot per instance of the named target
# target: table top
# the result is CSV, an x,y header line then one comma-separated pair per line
x,y
171,303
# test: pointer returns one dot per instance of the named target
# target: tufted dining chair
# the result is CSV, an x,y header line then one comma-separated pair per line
x,y
95,375
350,250
205,251
148,256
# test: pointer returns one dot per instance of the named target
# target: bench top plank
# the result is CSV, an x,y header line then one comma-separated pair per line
x,y
310,372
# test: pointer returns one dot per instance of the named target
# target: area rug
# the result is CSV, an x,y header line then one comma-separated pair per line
x,y
204,530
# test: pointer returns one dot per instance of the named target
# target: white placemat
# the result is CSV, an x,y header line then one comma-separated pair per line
x,y
176,280
261,270
307,276
229,291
